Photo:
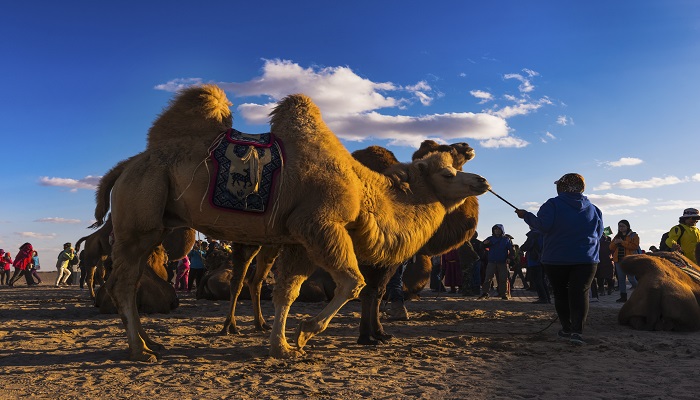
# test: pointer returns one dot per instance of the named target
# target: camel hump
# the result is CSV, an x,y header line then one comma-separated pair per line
x,y
197,111
296,111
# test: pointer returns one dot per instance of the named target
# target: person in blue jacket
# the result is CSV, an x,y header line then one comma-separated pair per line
x,y
571,227
500,247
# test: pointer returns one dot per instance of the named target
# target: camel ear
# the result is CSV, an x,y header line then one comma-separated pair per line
x,y
422,166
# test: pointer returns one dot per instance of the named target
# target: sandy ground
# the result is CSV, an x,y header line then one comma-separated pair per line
x,y
54,344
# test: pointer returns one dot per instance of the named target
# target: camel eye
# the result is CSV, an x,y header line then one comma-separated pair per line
x,y
448,174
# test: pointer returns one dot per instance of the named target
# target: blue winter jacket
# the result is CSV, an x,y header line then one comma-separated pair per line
x,y
571,227
499,246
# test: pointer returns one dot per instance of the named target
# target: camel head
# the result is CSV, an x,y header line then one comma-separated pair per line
x,y
461,152
436,174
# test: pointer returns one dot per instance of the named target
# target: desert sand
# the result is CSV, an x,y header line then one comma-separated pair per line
x,y
55,345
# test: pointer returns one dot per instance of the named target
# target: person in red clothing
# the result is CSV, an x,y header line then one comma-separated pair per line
x,y
452,270
22,261
5,262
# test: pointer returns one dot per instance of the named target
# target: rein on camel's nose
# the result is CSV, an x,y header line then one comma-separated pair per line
x,y
506,201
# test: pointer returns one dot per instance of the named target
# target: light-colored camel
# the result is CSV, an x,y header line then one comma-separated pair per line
x,y
454,230
330,210
667,297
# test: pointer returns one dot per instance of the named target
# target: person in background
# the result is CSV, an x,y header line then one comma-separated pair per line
x,y
21,263
606,267
196,256
63,263
517,268
5,263
183,274
452,271
533,250
685,236
624,243
470,254
35,266
571,227
500,247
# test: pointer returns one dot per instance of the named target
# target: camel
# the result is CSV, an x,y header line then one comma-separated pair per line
x,y
155,294
667,297
329,210
98,249
455,229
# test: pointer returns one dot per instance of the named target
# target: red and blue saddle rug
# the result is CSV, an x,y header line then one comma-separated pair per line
x,y
245,167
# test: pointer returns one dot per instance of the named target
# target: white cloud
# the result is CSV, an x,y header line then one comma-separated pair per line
x,y
56,220
526,85
610,200
532,206
89,182
177,84
623,162
351,105
509,141
679,205
617,211
480,94
648,184
695,177
34,235
564,120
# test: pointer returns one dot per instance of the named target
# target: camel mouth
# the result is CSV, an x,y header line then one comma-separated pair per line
x,y
481,187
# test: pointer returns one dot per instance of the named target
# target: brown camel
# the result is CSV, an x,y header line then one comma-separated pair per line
x,y
319,286
155,294
329,210
667,297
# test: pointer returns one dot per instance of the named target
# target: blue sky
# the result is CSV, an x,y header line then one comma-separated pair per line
x,y
608,89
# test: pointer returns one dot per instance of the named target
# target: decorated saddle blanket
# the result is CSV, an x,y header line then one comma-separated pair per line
x,y
681,263
245,167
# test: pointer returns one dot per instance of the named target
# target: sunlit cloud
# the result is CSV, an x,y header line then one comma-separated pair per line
x,y
56,220
532,206
89,182
648,184
35,235
353,105
695,177
623,162
609,201
483,96
679,205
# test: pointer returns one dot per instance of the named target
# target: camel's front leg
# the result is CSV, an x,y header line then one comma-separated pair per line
x,y
377,328
368,295
242,255
264,262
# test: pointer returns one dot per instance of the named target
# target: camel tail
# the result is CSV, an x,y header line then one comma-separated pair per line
x,y
104,190
77,244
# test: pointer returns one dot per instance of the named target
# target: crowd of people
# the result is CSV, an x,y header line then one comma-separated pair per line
x,y
568,253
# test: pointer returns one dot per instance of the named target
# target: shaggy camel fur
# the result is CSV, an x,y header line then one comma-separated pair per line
x,y
330,210
98,249
155,294
320,286
666,298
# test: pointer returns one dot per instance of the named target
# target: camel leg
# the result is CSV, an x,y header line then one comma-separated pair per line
x,y
368,296
264,262
242,256
130,259
90,280
293,269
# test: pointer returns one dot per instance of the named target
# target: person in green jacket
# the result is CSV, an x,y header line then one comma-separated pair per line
x,y
62,263
685,236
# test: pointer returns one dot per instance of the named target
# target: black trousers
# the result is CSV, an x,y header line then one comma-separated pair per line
x,y
571,284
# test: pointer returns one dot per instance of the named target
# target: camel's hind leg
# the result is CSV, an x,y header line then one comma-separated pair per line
x,y
130,259
264,261
242,256
293,269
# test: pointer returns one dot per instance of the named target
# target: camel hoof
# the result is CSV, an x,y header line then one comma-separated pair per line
x,y
287,352
367,341
383,337
263,328
145,356
155,346
229,330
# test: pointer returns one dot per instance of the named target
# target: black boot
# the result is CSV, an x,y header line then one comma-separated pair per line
x,y
623,298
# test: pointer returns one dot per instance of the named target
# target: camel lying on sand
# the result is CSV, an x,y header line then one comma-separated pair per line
x,y
667,297
155,294
328,211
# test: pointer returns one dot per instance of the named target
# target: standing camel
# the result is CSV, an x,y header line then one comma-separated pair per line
x,y
329,210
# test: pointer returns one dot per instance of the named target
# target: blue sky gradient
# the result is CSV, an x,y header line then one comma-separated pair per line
x,y
606,89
